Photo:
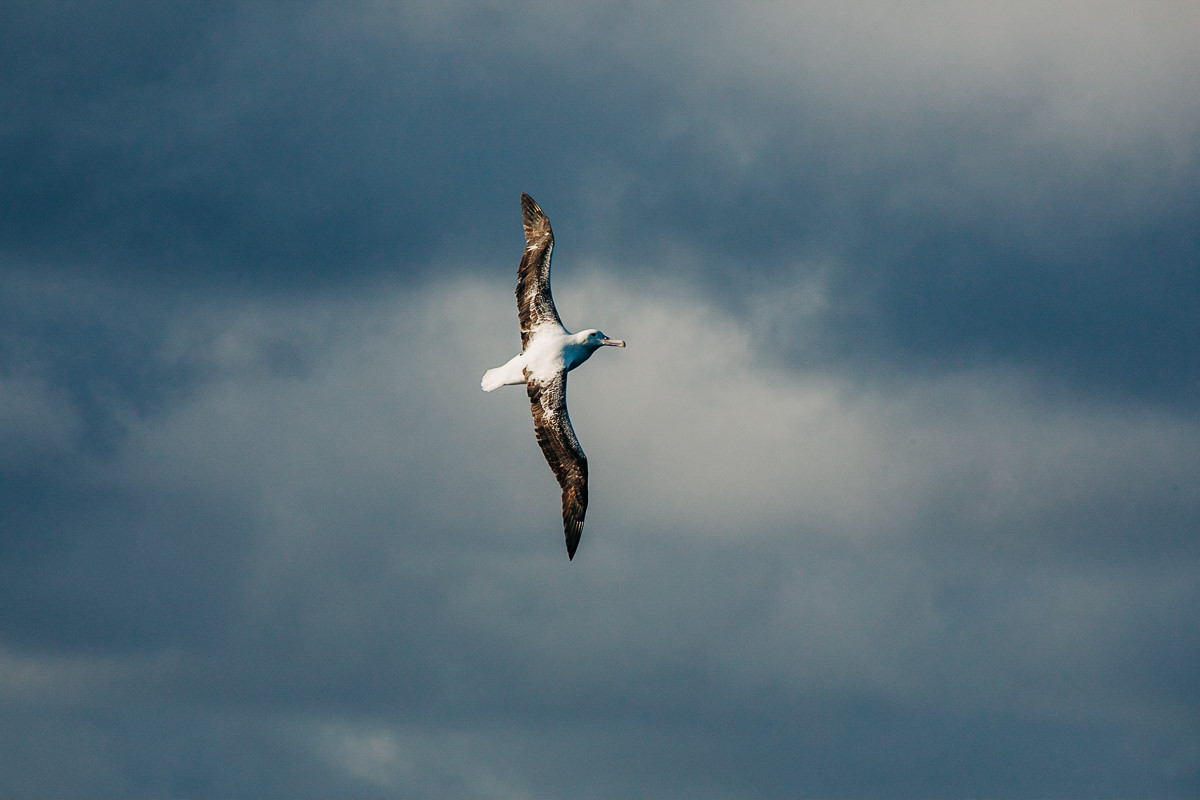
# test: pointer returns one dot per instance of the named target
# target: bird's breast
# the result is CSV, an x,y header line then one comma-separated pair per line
x,y
545,355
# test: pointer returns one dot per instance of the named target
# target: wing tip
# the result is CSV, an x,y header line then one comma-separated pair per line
x,y
574,532
574,509
536,222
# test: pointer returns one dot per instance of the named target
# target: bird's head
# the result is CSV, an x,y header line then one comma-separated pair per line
x,y
595,338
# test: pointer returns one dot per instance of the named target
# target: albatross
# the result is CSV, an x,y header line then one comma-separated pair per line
x,y
548,352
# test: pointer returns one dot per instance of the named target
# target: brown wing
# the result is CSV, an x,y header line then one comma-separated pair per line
x,y
557,440
535,304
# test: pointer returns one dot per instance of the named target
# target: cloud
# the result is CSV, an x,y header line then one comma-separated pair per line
x,y
892,490
978,186
34,419
352,535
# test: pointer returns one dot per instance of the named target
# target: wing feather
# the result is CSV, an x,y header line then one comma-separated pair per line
x,y
561,448
535,303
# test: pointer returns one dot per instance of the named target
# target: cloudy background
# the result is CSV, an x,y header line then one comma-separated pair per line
x,y
895,492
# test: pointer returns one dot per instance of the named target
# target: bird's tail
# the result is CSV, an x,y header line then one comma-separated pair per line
x,y
511,373
492,380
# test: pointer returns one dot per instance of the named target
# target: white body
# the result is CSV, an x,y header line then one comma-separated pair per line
x,y
551,349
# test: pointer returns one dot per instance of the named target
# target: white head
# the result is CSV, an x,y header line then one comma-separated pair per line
x,y
594,338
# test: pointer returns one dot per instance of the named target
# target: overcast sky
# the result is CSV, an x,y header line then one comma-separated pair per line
x,y
894,493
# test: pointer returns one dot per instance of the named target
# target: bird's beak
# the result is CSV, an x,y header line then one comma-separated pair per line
x,y
613,342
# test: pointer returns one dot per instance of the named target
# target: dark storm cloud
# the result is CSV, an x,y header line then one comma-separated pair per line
x,y
894,488
285,146
966,222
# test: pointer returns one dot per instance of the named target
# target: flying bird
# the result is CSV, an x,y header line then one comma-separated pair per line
x,y
548,352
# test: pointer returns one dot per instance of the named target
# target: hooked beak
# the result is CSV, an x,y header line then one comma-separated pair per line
x,y
613,342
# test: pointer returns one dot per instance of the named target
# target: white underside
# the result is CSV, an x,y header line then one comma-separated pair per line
x,y
544,357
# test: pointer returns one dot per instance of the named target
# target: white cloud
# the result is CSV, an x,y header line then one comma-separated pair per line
x,y
1106,71
688,426
868,526
421,761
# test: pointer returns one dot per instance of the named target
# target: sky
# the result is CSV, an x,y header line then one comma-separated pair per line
x,y
895,491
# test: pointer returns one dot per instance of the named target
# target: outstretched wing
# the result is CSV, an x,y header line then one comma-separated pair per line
x,y
535,304
557,439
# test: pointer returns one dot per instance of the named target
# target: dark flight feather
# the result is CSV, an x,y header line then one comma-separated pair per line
x,y
562,451
535,304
